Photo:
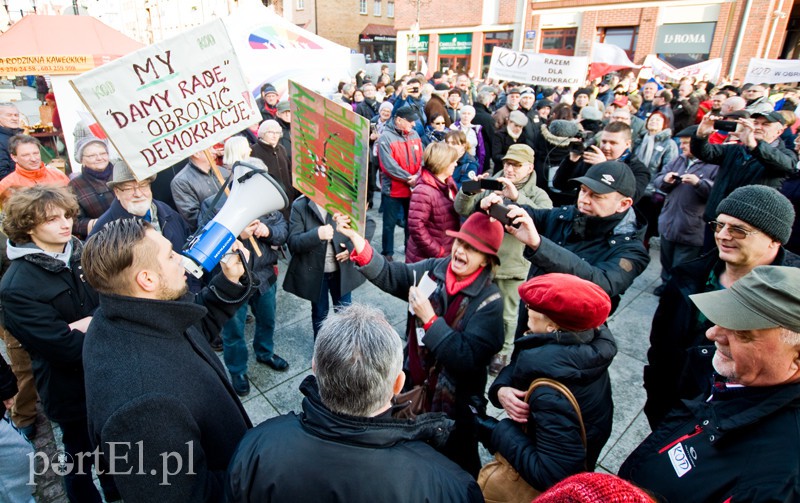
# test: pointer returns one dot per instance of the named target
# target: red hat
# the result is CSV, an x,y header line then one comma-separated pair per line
x,y
621,102
481,233
594,488
574,304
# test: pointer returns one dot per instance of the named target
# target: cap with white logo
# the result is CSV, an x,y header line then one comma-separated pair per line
x,y
609,176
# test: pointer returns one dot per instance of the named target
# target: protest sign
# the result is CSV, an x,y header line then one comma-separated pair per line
x,y
705,70
330,146
772,71
161,103
543,69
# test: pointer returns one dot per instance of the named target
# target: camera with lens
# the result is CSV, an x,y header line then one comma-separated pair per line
x,y
580,142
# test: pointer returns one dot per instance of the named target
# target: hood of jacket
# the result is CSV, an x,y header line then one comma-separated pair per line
x,y
556,141
366,431
567,357
48,261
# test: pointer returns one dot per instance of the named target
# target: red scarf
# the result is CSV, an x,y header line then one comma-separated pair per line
x,y
454,285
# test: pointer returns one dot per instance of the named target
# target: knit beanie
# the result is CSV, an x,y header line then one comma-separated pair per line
x,y
594,488
563,129
763,207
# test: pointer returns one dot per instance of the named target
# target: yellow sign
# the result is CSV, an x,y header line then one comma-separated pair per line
x,y
46,65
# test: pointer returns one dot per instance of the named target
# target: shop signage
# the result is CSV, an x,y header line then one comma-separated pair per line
x,y
369,39
422,46
455,44
686,38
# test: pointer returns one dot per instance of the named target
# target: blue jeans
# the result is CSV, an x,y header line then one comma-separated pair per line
x,y
319,309
234,345
393,208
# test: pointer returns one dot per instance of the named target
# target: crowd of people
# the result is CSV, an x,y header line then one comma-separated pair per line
x,y
526,213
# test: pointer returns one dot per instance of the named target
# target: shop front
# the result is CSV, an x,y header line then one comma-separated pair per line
x,y
377,43
417,49
454,51
684,44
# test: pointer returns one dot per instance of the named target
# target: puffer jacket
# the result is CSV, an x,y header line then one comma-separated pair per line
x,y
430,215
400,156
513,264
552,448
466,165
681,219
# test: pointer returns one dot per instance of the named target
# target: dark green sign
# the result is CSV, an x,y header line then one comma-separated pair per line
x,y
456,44
423,44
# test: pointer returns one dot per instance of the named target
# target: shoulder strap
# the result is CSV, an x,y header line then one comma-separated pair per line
x,y
550,383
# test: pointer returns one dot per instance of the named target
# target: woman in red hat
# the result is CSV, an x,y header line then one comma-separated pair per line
x,y
455,330
567,341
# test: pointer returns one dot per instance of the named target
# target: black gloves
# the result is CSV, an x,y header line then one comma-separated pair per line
x,y
484,426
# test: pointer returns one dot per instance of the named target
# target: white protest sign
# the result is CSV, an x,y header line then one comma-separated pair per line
x,y
161,103
705,70
772,71
543,69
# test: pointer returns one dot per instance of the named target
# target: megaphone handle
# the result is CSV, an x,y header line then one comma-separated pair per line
x,y
221,181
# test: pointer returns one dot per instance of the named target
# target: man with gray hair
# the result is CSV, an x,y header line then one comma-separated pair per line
x,y
740,439
9,126
274,155
359,451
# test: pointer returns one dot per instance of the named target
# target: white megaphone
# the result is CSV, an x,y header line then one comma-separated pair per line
x,y
254,193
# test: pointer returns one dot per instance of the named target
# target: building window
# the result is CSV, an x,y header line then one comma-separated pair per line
x,y
376,9
390,8
622,37
560,42
301,4
362,6
495,39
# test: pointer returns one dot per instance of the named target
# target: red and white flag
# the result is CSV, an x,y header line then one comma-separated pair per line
x,y
607,58
92,124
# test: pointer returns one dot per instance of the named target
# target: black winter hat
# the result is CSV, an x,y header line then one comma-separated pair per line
x,y
268,88
763,207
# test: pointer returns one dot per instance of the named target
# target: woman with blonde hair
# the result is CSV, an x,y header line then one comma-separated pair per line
x,y
431,213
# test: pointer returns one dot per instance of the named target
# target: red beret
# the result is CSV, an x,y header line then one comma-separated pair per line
x,y
574,304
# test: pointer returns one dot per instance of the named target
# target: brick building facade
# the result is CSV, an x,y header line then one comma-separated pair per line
x,y
366,26
679,31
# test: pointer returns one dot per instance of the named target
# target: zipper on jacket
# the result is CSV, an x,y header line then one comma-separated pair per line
x,y
697,430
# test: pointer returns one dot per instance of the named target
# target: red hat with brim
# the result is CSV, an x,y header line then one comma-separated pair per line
x,y
481,233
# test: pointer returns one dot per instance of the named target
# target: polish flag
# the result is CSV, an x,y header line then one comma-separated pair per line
x,y
92,124
607,58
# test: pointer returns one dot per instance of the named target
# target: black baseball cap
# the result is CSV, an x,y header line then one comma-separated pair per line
x,y
609,176
771,117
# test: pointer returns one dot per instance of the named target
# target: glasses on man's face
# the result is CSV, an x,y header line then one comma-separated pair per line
x,y
735,231
141,187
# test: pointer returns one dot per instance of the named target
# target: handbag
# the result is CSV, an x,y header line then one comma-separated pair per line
x,y
411,403
499,481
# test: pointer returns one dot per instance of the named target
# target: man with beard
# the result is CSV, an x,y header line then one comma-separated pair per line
x,y
599,239
160,407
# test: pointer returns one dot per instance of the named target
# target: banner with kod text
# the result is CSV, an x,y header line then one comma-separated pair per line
x,y
170,99
330,152
534,68
772,71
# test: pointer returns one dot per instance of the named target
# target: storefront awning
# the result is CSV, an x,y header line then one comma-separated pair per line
x,y
378,33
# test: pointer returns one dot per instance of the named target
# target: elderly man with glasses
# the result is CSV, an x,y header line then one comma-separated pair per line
x,y
751,226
